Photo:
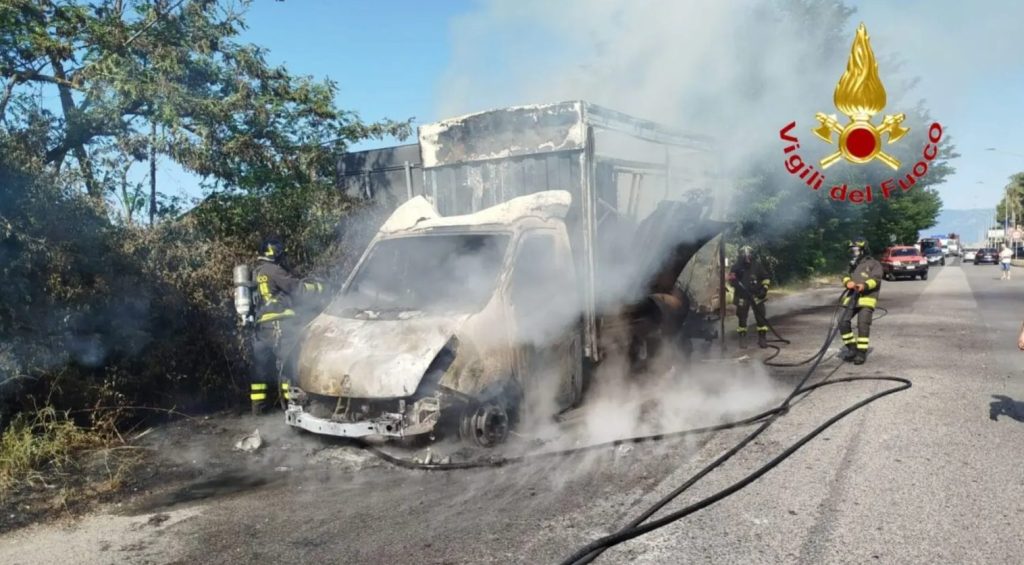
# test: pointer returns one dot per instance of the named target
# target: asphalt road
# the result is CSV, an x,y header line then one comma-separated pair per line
x,y
930,475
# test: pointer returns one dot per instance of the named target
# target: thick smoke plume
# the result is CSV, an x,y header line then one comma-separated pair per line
x,y
735,71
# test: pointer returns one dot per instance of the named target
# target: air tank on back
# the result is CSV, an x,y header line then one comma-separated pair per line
x,y
243,293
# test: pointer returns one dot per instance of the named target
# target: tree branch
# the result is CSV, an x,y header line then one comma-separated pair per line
x,y
74,131
8,92
34,75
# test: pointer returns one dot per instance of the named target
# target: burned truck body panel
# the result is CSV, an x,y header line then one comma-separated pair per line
x,y
572,191
618,170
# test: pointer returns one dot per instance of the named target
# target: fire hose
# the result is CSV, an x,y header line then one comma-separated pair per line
x,y
640,525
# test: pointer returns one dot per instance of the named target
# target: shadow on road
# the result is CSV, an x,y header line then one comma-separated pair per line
x,y
223,484
1005,406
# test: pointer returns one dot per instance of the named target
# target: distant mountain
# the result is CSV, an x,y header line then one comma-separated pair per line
x,y
972,225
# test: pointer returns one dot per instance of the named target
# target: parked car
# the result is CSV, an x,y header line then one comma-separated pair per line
x,y
904,261
935,256
986,255
969,254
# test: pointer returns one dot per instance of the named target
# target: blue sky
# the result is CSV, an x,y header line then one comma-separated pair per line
x,y
394,58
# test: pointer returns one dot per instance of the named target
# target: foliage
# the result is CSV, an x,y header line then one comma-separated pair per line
x,y
1015,193
97,308
134,76
42,439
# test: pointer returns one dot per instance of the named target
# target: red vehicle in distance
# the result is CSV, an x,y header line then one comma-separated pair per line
x,y
904,261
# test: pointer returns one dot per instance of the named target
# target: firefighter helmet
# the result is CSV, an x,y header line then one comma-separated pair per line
x,y
272,248
858,248
746,252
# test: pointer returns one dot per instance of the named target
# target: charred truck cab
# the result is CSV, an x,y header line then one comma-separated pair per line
x,y
524,254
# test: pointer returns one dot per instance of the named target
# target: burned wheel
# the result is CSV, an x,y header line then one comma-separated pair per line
x,y
485,424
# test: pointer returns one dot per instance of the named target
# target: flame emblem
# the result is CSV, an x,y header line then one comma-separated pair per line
x,y
860,95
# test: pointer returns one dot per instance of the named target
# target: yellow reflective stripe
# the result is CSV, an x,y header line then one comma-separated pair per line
x,y
762,328
766,282
258,386
284,386
862,346
867,301
863,339
264,286
314,286
271,316
871,284
846,300
741,330
258,396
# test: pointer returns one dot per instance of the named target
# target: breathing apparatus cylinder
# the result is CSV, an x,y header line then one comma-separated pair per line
x,y
243,293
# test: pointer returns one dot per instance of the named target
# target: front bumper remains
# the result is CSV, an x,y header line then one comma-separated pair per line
x,y
410,419
386,425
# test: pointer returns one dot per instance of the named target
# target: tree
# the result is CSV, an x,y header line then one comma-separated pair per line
x,y
122,69
91,304
1015,191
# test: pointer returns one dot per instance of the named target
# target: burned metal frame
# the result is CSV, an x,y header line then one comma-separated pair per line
x,y
524,149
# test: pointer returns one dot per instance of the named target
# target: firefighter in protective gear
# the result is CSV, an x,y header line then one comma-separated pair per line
x,y
863,283
277,292
750,283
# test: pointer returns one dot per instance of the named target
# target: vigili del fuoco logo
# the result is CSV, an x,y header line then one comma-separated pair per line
x,y
859,95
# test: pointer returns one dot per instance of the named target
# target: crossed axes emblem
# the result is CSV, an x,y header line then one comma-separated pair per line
x,y
891,126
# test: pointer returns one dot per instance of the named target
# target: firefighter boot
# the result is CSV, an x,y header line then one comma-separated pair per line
x,y
743,340
762,339
849,352
258,407
860,357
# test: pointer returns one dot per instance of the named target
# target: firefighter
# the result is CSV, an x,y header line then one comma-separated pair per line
x,y
750,282
277,292
864,279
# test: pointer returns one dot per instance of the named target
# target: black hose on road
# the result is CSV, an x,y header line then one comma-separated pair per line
x,y
591,551
639,526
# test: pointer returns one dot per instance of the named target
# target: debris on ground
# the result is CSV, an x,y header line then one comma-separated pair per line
x,y
346,458
158,519
249,442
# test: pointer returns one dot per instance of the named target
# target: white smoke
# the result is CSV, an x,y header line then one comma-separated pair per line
x,y
735,70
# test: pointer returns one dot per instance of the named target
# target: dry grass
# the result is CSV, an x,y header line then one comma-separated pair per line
x,y
41,449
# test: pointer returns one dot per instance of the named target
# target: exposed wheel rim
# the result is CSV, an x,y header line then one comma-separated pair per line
x,y
486,424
